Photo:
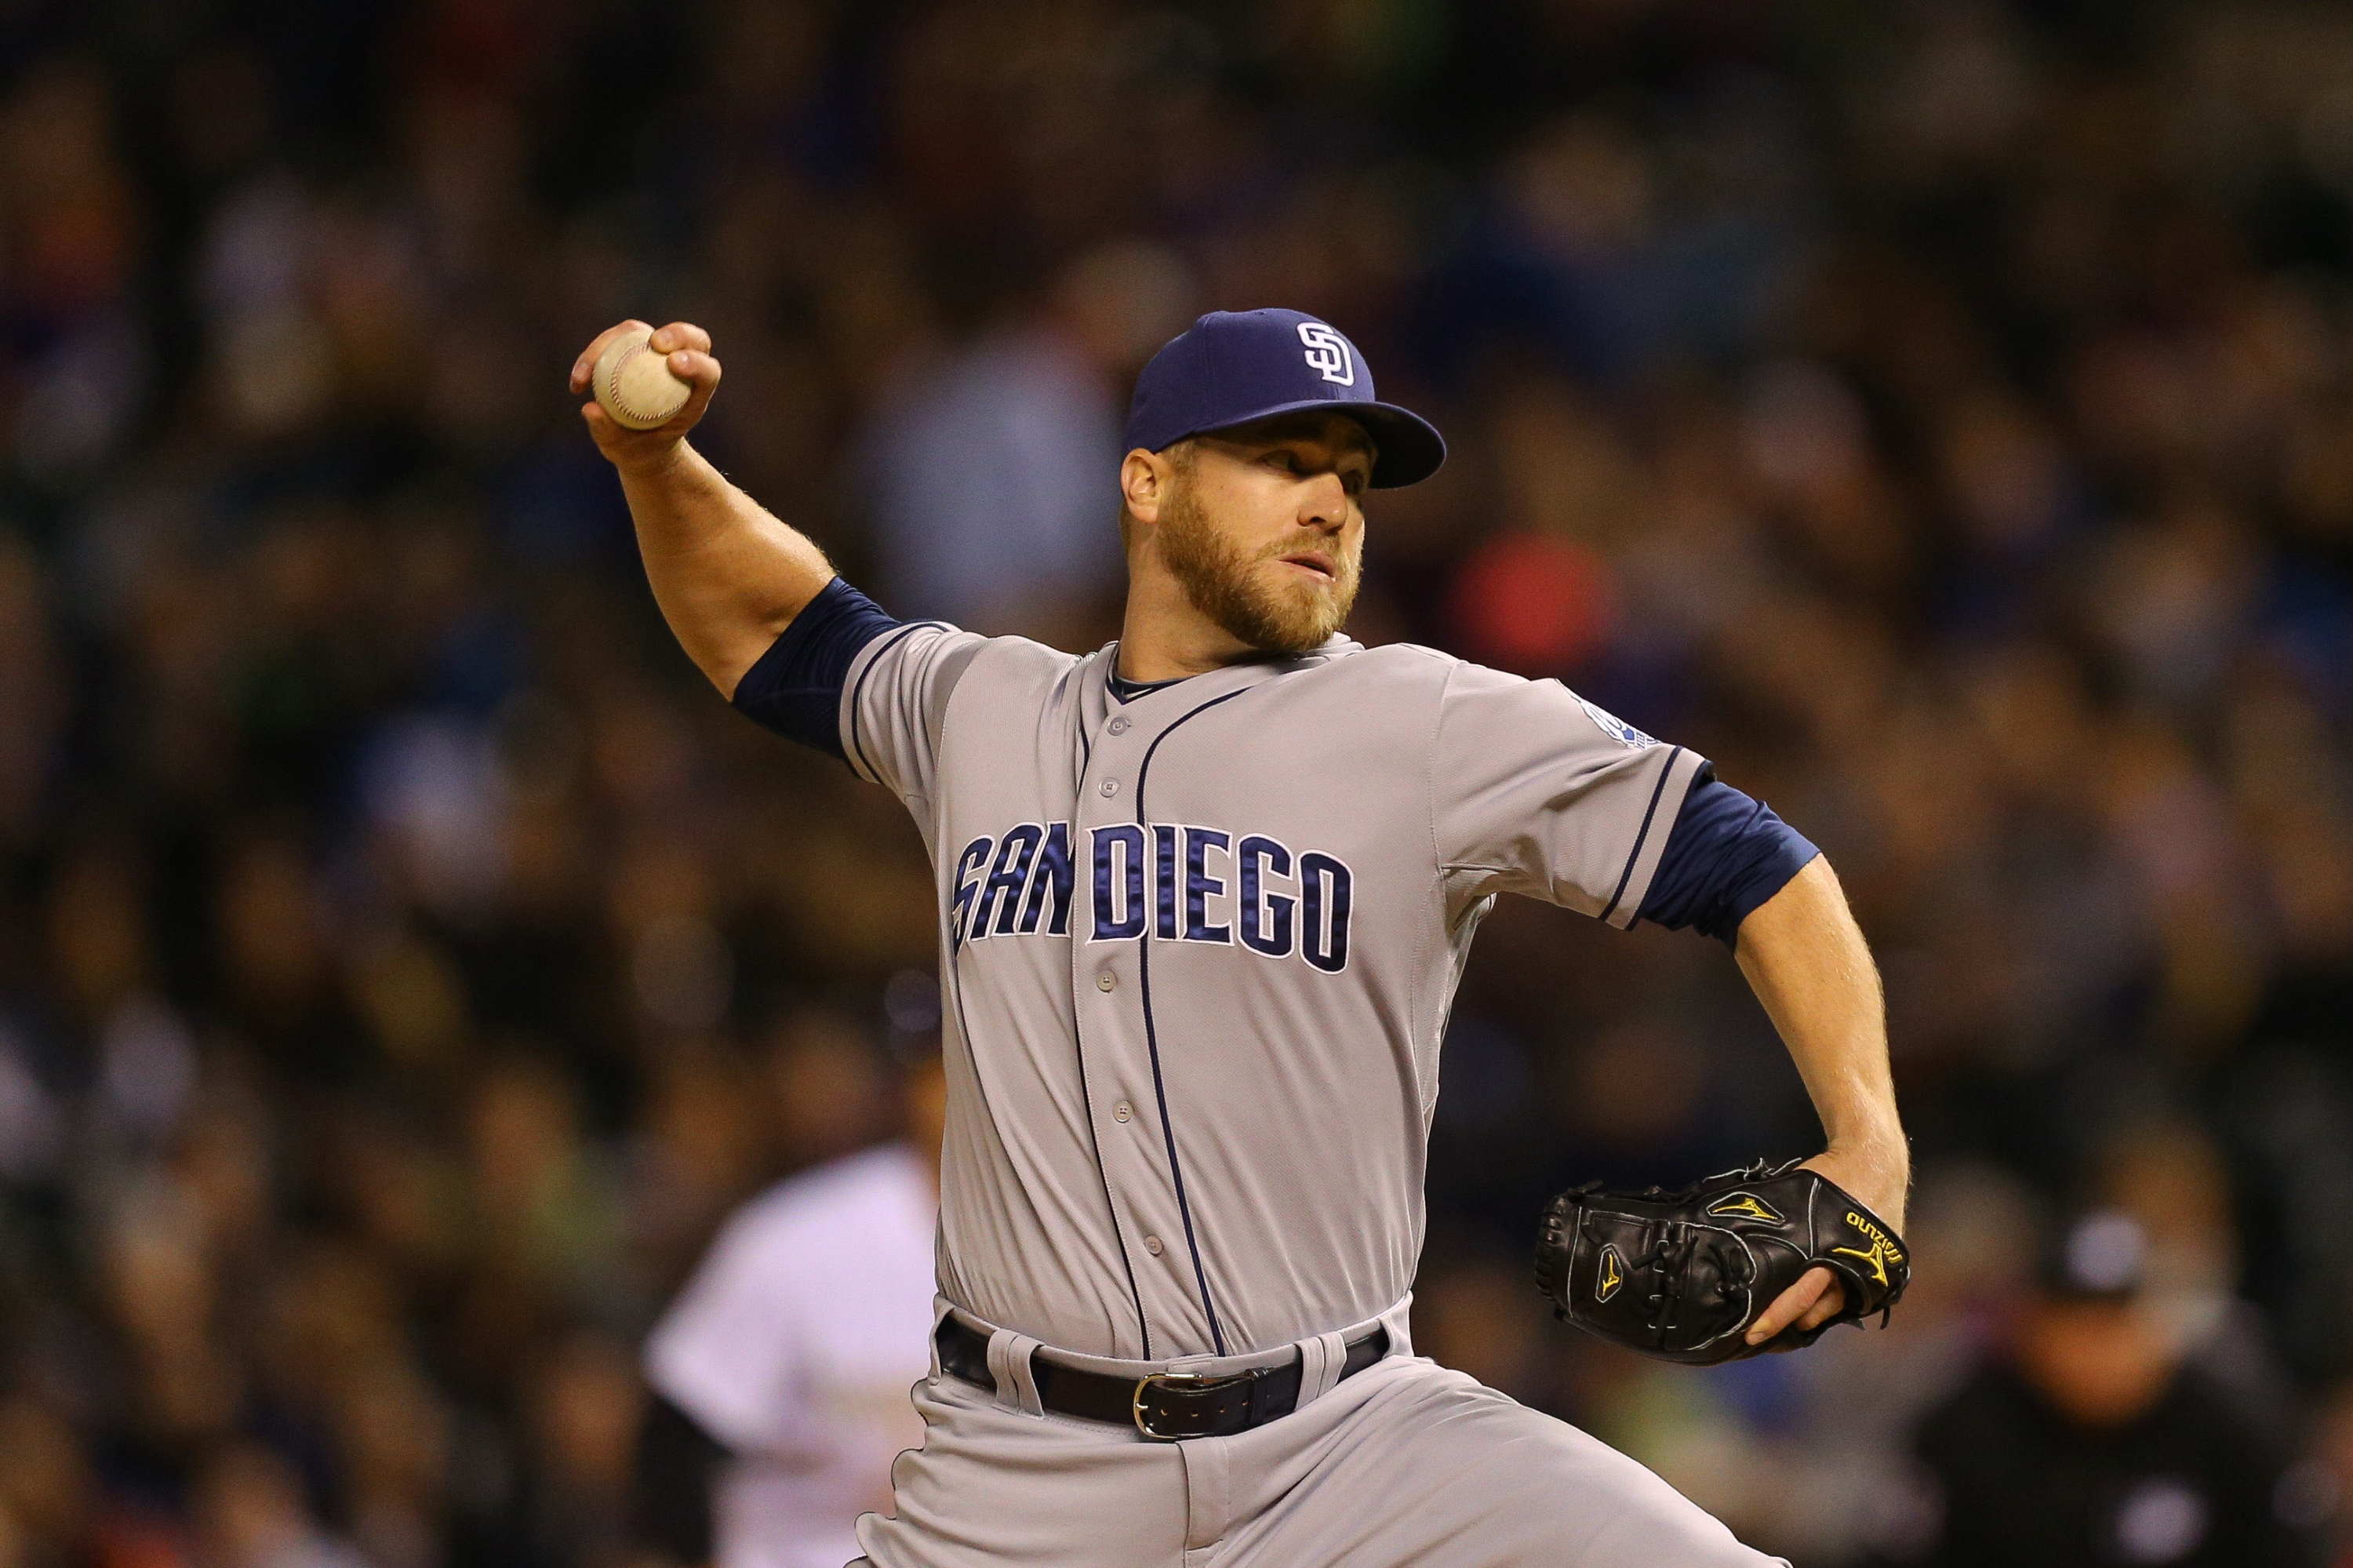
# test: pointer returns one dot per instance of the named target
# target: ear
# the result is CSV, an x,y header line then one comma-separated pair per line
x,y
1144,481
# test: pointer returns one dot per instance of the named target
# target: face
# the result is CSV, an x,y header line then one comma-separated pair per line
x,y
1264,530
2101,1363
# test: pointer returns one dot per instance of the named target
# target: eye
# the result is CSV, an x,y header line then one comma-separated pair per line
x,y
1283,459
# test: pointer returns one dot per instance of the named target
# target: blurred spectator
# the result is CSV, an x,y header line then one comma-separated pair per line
x,y
2093,1441
782,1371
251,1514
1472,1312
49,1495
990,470
585,1408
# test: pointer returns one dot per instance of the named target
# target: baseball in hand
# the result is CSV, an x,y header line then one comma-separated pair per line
x,y
634,384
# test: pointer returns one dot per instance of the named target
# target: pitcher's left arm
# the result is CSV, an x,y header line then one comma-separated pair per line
x,y
1806,960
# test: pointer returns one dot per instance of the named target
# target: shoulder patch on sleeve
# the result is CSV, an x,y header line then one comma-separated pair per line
x,y
1618,729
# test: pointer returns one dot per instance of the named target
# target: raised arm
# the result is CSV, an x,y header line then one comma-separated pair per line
x,y
1807,962
729,575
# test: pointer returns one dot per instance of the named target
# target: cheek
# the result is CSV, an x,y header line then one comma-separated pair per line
x,y
1240,512
1272,512
1254,523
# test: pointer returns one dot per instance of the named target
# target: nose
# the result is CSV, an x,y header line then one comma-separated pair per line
x,y
1326,504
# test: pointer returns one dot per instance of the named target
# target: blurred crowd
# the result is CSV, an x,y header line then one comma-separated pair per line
x,y
1940,414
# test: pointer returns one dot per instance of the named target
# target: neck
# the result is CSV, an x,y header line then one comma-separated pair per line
x,y
1162,637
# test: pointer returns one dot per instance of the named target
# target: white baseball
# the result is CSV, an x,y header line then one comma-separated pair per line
x,y
635,385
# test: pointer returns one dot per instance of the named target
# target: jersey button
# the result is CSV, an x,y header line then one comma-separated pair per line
x,y
1111,787
1104,981
1122,1111
1119,725
1151,1245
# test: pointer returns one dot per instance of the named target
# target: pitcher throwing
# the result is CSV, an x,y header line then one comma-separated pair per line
x,y
1204,896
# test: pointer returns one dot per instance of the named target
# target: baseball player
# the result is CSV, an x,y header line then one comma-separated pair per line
x,y
1204,897
780,1374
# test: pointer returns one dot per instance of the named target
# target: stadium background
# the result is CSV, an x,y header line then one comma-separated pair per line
x,y
1939,414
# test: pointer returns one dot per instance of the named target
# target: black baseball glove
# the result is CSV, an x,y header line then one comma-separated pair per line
x,y
1680,1275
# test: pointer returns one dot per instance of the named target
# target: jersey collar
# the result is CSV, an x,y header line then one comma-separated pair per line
x,y
1179,696
1209,683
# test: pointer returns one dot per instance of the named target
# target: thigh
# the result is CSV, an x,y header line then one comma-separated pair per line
x,y
992,1486
1430,1465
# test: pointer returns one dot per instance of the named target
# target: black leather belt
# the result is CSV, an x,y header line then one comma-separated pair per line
x,y
1165,1405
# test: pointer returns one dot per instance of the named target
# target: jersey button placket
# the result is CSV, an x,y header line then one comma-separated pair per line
x,y
1114,1037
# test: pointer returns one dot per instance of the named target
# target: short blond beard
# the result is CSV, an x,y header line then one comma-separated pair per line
x,y
1217,582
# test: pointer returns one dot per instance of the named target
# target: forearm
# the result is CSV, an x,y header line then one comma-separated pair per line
x,y
1808,963
729,575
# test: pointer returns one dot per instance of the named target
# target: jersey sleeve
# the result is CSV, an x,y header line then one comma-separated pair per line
x,y
795,688
727,1352
1725,855
896,699
1535,790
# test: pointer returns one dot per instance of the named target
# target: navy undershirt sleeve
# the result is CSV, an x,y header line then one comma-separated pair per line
x,y
1726,855
795,687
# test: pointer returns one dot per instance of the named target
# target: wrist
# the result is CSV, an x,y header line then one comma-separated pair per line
x,y
660,464
1877,1169
1881,1148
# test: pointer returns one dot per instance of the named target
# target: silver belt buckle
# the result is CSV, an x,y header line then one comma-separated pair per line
x,y
1193,1381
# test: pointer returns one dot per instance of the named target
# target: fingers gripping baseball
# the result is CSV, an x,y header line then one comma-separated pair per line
x,y
634,393
586,363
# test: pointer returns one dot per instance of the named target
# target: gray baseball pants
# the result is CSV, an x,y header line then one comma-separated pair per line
x,y
1405,1463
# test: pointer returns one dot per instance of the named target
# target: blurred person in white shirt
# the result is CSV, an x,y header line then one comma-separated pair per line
x,y
781,1372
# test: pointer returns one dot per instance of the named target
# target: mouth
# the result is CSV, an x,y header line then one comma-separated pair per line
x,y
1314,563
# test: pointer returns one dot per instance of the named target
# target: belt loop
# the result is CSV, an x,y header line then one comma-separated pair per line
x,y
1015,1373
1321,1362
1398,1321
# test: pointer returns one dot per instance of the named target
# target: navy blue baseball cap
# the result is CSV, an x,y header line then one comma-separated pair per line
x,y
1234,367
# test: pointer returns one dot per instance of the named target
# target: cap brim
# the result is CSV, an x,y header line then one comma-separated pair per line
x,y
1406,448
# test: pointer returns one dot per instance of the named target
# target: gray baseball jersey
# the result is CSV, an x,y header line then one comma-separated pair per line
x,y
1197,950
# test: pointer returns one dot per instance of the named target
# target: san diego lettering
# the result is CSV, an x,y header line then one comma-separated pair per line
x,y
1180,882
